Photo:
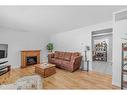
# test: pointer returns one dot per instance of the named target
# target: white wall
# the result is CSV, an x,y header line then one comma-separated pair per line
x,y
75,40
119,32
18,40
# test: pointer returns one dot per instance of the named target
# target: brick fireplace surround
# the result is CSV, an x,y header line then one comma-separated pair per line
x,y
29,53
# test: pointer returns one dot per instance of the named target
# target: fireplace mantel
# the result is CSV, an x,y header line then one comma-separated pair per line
x,y
29,53
30,50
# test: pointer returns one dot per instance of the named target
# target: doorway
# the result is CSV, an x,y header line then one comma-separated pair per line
x,y
102,51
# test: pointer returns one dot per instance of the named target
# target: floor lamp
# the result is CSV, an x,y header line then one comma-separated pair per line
x,y
87,48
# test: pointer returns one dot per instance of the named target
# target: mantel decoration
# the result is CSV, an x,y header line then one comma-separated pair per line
x,y
50,47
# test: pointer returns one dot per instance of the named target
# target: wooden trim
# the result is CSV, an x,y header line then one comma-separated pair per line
x,y
30,50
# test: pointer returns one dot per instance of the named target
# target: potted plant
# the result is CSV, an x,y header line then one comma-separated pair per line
x,y
50,47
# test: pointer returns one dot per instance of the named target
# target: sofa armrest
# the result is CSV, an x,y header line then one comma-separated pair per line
x,y
75,59
76,62
51,55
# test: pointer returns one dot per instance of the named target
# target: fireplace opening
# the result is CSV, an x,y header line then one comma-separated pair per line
x,y
30,60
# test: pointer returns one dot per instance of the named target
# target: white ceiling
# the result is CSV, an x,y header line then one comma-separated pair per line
x,y
53,19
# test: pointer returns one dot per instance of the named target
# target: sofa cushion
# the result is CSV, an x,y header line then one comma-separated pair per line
x,y
64,62
75,54
56,54
61,55
51,55
52,60
57,61
67,56
65,65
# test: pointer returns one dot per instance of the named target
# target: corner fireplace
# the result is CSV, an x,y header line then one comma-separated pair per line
x,y
30,57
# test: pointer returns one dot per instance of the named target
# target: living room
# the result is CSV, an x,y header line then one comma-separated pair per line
x,y
26,30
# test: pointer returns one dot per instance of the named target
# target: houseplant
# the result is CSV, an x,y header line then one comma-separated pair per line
x,y
50,47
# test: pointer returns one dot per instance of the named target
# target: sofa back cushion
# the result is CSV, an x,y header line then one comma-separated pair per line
x,y
56,55
61,55
67,56
75,54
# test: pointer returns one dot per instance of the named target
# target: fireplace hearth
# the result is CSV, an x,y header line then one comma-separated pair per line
x,y
30,57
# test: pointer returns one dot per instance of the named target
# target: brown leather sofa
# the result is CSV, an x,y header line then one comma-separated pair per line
x,y
66,60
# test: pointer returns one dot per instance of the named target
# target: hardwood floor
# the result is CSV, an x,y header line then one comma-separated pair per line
x,y
64,79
